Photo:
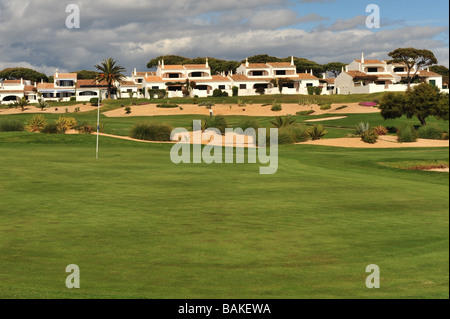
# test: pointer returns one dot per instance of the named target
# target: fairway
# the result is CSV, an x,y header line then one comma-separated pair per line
x,y
139,226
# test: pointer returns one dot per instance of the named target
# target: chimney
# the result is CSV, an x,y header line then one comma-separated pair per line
x,y
21,81
207,64
306,71
162,64
292,60
346,68
135,73
311,72
42,80
428,68
324,75
35,85
146,74
342,69
362,58
246,62
56,73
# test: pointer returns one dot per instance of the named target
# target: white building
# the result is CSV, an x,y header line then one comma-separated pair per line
x,y
14,90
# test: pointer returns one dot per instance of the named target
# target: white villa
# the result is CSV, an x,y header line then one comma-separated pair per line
x,y
372,76
360,76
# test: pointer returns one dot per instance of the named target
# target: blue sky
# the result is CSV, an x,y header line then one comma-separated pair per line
x,y
34,35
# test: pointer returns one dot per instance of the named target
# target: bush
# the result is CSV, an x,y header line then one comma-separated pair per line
x,y
285,137
362,128
381,130
392,129
302,113
217,93
310,90
94,101
325,107
407,134
160,93
276,107
430,132
73,98
249,123
342,107
260,90
85,128
317,90
151,132
168,106
66,123
225,94
36,123
370,137
11,126
50,128
128,110
316,132
219,122
298,133
235,90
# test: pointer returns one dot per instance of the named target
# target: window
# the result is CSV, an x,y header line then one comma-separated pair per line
x,y
202,87
155,87
196,74
399,70
88,93
221,87
280,72
243,86
372,70
309,84
174,76
258,73
129,90
139,81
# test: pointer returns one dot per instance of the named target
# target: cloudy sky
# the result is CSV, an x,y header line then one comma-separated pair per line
x,y
33,33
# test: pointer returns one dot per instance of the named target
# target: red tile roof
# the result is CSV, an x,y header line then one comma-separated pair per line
x,y
256,66
153,79
306,76
45,86
371,61
11,82
173,67
66,76
280,64
428,73
90,83
195,66
215,78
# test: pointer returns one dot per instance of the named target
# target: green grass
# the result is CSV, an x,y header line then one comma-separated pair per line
x,y
141,227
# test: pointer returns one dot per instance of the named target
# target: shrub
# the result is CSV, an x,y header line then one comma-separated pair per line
x,y
219,122
445,136
325,107
369,137
281,122
77,109
128,110
168,106
342,107
318,90
235,90
151,131
217,93
276,107
94,101
302,113
381,130
73,98
241,102
310,90
225,94
85,128
285,137
50,128
362,128
392,129
66,123
377,101
36,123
430,132
249,123
260,90
298,133
11,126
316,132
407,134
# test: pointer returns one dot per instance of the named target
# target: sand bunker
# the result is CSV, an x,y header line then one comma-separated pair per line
x,y
53,110
327,119
383,142
248,110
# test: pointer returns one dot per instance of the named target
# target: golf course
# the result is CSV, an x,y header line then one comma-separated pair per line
x,y
140,226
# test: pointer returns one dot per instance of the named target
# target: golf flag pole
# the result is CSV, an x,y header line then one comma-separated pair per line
x,y
98,120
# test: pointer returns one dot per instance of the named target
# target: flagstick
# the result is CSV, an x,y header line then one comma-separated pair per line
x,y
98,121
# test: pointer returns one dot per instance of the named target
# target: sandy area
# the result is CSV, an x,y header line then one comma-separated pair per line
x,y
441,170
327,119
61,109
387,141
250,110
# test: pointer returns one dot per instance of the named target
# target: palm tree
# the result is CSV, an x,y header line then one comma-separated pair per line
x,y
110,72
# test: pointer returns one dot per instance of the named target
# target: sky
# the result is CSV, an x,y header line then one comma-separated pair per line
x,y
33,33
